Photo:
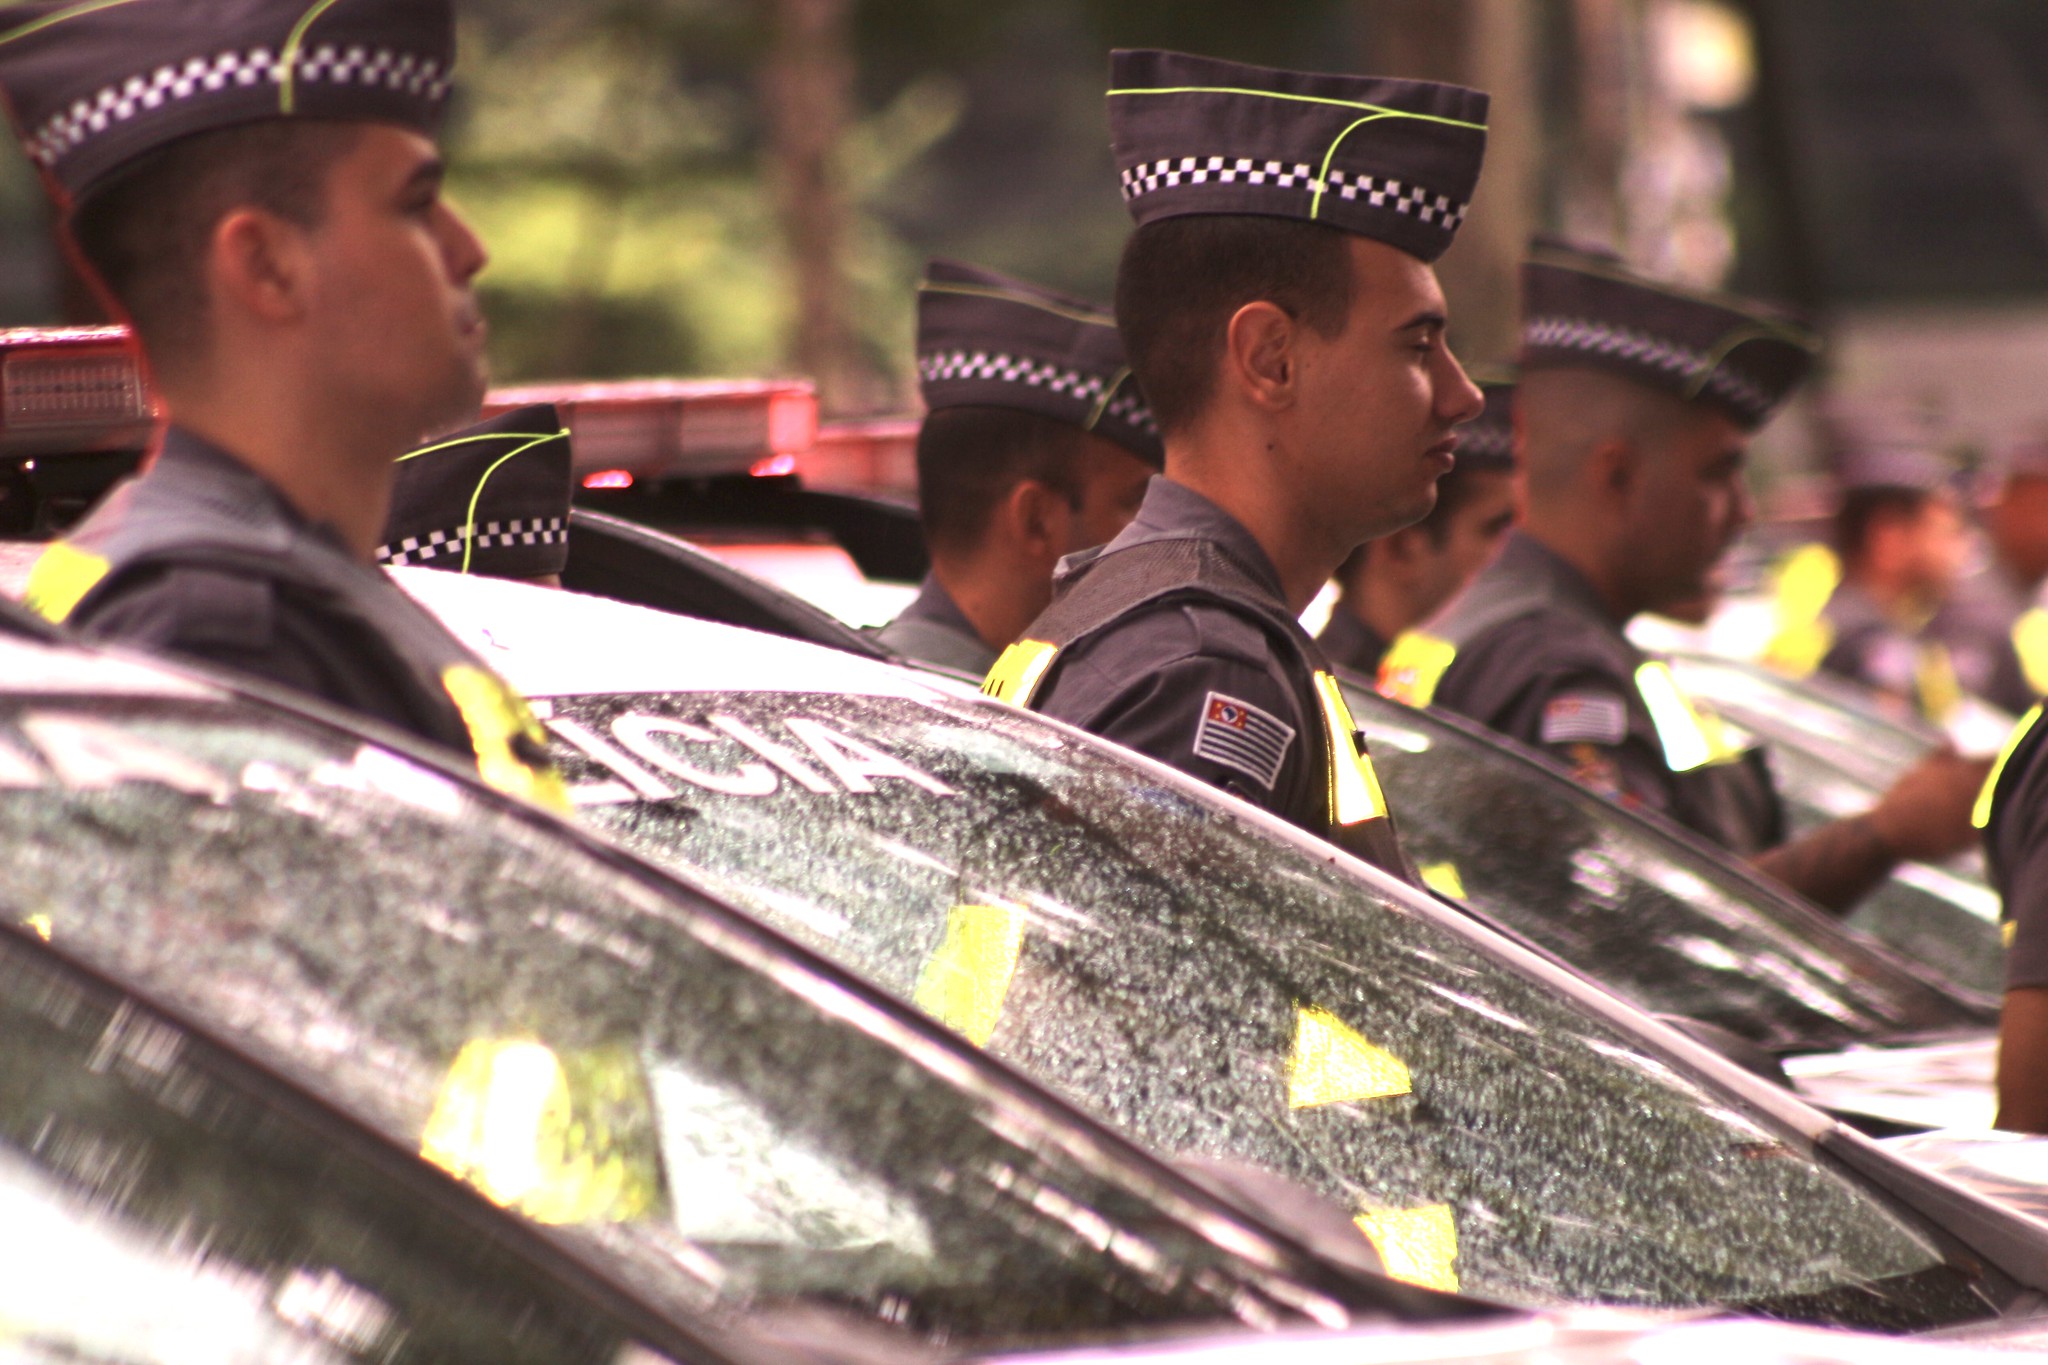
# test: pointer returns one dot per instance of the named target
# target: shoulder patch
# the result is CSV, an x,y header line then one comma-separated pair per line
x,y
1243,737
1584,718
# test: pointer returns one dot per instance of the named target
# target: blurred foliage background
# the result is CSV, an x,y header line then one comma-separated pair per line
x,y
751,187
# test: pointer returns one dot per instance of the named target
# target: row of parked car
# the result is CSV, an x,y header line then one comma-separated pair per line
x,y
862,1017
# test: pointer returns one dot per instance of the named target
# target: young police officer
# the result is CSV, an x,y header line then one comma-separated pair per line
x,y
1035,444
256,187
1287,330
1635,408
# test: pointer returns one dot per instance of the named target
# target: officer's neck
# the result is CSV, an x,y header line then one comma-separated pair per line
x,y
1266,507
333,474
1599,560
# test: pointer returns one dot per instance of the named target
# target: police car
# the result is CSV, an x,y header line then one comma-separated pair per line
x,y
317,1050
1220,984
277,993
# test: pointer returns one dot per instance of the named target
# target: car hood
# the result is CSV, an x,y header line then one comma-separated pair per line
x,y
2011,1168
1575,1337
1945,1085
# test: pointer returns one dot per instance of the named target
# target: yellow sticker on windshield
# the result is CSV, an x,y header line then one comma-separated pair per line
x,y
1332,1062
1419,1246
1443,878
562,1140
965,983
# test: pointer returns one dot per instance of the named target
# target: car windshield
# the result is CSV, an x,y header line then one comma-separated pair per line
x,y
1221,990
159,1203
720,1126
1568,870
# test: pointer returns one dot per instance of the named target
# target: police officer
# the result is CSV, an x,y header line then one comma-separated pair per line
x,y
1635,408
491,499
1287,330
1901,542
2013,812
257,189
1993,627
1402,579
1036,443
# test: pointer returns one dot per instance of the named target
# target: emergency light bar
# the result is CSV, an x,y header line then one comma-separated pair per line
x,y
651,429
873,456
71,390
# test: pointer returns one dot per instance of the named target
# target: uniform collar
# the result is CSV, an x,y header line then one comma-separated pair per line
x,y
934,604
1173,511
202,469
1527,560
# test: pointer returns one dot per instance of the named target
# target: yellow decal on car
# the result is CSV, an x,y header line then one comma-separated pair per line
x,y
1419,1246
1332,1062
964,984
62,576
498,719
562,1140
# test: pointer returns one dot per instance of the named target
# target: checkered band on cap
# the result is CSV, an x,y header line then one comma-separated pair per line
x,y
1393,160
1586,309
438,545
986,340
1488,440
92,87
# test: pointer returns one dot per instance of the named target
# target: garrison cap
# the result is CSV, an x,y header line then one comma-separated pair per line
x,y
91,87
1393,160
1876,446
1487,442
489,499
986,340
1587,309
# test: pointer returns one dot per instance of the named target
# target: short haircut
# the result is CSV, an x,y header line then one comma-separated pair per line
x,y
1565,413
1863,509
1181,280
969,458
146,233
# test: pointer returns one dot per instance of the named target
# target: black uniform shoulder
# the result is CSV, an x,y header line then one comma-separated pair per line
x,y
1530,656
182,609
2018,840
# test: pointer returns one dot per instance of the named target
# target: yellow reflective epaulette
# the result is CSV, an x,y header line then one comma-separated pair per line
x,y
1935,683
62,576
496,716
1414,665
1805,580
1355,794
1980,814
1689,738
2030,642
1018,672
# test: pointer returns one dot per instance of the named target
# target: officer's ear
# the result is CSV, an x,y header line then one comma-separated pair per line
x,y
1614,469
1038,517
258,264
1259,354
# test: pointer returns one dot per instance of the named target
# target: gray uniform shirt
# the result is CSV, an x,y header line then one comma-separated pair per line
x,y
933,630
1179,680
1868,646
1976,626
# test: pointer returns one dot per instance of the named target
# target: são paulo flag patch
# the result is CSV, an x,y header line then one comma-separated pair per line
x,y
1241,736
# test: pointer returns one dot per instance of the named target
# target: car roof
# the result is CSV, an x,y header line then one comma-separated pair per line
x,y
550,643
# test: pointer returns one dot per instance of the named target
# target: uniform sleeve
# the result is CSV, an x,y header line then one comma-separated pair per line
x,y
1574,711
1196,690
2022,833
247,626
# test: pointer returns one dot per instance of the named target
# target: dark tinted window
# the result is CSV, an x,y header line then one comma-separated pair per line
x,y
716,1126
1224,991
1669,927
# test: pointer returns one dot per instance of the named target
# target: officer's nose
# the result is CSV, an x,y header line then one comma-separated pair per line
x,y
1459,399
461,247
